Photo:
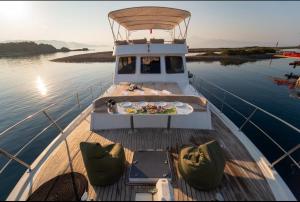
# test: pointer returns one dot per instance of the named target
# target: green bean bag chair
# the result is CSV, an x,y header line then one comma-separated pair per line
x,y
104,164
202,167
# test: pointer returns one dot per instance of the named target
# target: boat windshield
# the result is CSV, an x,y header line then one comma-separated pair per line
x,y
150,65
127,65
174,64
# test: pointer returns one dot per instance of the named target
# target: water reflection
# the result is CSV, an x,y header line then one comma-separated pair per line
x,y
292,81
295,64
295,94
231,61
41,86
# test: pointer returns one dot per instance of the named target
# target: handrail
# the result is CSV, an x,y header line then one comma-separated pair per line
x,y
255,106
285,155
43,109
8,155
38,135
117,43
248,120
25,119
53,122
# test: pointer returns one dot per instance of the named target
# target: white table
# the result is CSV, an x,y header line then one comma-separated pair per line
x,y
185,109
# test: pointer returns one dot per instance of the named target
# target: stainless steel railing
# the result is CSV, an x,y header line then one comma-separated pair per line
x,y
201,88
198,83
53,122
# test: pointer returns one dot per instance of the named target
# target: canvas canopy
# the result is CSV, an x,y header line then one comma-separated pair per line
x,y
147,18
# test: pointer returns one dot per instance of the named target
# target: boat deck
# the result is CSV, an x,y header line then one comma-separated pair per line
x,y
146,89
243,179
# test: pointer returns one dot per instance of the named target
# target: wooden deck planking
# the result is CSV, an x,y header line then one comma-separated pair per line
x,y
242,181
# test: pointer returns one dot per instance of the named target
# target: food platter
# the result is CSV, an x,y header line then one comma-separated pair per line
x,y
143,104
154,108
161,104
178,104
125,104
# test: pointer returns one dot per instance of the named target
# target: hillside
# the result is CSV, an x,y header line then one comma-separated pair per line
x,y
14,49
71,45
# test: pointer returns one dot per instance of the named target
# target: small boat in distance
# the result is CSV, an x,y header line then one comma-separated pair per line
x,y
291,54
153,135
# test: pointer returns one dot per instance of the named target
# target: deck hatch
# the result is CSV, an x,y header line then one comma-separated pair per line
x,y
149,166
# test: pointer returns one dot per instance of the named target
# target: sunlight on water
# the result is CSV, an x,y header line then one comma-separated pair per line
x,y
41,86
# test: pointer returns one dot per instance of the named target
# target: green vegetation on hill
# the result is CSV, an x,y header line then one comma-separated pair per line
x,y
233,56
248,51
245,51
14,49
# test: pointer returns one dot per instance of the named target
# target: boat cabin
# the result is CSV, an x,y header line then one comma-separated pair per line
x,y
153,59
157,70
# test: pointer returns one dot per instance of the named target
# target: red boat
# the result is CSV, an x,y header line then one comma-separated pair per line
x,y
291,54
291,83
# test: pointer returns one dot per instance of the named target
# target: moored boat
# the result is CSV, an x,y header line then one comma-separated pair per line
x,y
291,54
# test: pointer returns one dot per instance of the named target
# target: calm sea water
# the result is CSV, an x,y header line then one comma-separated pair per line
x,y
30,84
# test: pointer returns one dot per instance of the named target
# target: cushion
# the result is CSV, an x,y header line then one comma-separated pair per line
x,y
179,41
139,41
202,167
124,42
158,41
104,164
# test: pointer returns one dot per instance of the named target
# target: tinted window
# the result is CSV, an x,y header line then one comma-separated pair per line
x,y
126,65
174,65
150,65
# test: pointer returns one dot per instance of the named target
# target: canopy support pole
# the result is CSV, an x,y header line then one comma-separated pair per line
x,y
180,31
186,27
118,34
112,28
174,35
127,35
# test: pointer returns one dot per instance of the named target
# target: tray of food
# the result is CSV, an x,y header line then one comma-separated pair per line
x,y
152,109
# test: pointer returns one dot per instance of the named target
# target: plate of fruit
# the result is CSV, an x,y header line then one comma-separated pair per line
x,y
131,110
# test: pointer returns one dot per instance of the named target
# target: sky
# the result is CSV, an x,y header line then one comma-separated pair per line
x,y
213,24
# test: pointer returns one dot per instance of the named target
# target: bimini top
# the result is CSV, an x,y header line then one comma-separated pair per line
x,y
149,17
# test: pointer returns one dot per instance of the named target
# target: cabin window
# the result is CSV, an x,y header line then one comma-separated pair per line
x,y
174,64
126,65
150,65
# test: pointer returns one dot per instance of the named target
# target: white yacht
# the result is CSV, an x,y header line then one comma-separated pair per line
x,y
148,116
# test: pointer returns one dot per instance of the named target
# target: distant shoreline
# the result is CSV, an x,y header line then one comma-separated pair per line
x,y
226,56
107,57
24,49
